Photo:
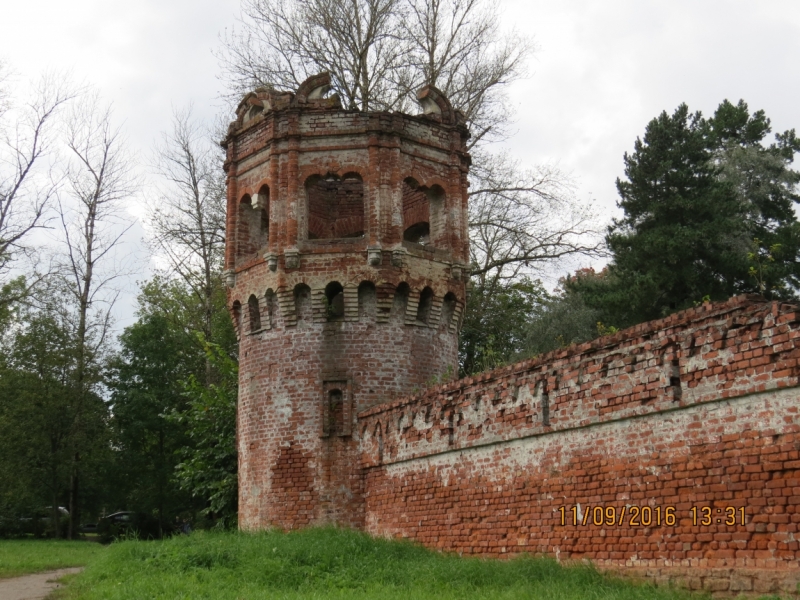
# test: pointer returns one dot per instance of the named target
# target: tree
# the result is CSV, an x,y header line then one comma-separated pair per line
x,y
378,52
283,42
706,204
494,323
99,178
27,183
188,219
521,221
208,469
38,418
159,395
145,382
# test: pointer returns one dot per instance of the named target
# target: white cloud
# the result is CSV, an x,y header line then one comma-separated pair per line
x,y
604,69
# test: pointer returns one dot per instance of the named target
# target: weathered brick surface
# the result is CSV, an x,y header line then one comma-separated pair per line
x,y
697,410
315,201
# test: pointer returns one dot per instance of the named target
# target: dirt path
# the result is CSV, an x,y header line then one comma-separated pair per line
x,y
33,587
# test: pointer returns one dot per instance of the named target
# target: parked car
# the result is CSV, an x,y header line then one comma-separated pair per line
x,y
130,524
41,523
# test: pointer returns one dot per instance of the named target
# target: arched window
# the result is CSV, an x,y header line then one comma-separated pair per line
x,y
252,229
423,213
335,207
400,303
367,300
237,316
302,303
424,307
263,208
416,213
254,314
334,301
435,197
448,309
270,301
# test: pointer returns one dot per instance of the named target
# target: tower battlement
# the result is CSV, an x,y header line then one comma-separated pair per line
x,y
346,263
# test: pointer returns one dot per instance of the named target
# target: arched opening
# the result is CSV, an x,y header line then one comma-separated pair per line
x,y
367,300
400,302
416,213
302,303
334,301
448,309
263,208
335,207
252,113
423,213
424,307
270,300
254,314
236,309
252,232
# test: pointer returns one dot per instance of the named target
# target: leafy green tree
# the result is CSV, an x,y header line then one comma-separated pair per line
x,y
495,322
561,320
703,200
184,312
167,382
43,418
209,466
146,388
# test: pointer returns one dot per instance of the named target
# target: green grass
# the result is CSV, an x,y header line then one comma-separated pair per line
x,y
331,563
19,557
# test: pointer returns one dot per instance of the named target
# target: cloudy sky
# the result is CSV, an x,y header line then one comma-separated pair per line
x,y
601,72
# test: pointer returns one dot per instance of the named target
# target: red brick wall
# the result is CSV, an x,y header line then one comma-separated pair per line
x,y
415,206
295,468
697,410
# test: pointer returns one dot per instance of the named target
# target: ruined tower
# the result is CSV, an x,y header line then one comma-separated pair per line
x,y
346,262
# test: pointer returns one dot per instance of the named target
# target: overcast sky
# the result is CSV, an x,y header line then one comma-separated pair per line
x,y
601,72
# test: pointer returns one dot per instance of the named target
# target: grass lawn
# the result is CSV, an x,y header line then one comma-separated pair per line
x,y
330,563
19,557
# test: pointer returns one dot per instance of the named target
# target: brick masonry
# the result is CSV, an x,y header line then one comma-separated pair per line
x,y
335,309
697,410
631,450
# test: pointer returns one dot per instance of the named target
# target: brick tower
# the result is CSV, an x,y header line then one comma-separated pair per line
x,y
346,261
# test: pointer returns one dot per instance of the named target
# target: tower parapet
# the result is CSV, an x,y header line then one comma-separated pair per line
x,y
346,259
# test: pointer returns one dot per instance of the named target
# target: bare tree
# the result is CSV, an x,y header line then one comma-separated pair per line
x,y
457,46
27,182
4,92
283,42
520,220
99,178
188,217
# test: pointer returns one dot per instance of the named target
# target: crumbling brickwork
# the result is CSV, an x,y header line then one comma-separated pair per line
x,y
334,309
685,424
671,449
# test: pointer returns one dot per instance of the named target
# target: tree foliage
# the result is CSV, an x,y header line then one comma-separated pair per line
x,y
709,213
145,389
493,332
159,386
209,467
45,419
